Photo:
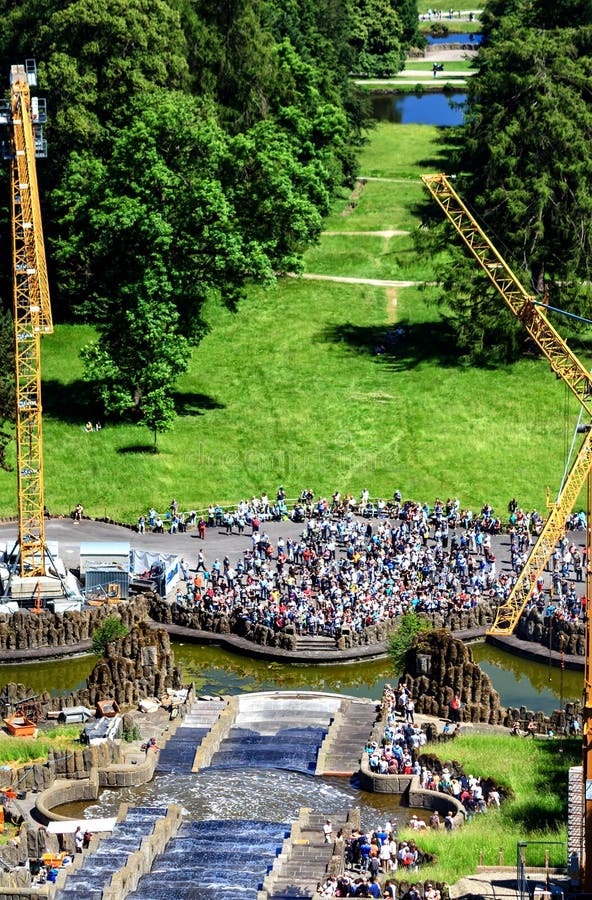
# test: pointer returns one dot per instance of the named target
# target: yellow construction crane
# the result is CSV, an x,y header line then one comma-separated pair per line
x,y
24,117
528,309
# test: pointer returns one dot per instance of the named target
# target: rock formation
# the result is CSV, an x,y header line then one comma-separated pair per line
x,y
437,667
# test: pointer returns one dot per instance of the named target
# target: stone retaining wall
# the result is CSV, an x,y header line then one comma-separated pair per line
x,y
216,735
76,764
409,787
219,623
140,862
65,791
23,631
569,637
463,620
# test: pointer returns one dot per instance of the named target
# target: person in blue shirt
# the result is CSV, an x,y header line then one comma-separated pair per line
x,y
374,888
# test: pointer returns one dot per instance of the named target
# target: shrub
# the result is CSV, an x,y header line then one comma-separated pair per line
x,y
112,629
399,642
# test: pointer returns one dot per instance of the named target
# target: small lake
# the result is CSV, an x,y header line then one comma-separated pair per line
x,y
455,39
419,109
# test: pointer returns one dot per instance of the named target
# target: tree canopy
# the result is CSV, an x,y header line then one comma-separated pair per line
x,y
194,149
526,146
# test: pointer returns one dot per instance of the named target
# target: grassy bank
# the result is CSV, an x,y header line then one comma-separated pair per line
x,y
18,750
290,389
536,774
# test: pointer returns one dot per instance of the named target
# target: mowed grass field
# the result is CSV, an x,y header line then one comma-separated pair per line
x,y
290,389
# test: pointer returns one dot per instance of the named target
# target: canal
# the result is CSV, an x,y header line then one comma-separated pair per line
x,y
519,682
426,108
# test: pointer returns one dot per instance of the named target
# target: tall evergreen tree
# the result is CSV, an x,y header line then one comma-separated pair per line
x,y
527,144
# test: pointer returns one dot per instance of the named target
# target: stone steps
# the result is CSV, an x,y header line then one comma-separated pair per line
x,y
179,752
316,642
306,862
343,747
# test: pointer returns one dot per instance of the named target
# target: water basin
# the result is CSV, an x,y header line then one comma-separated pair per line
x,y
467,38
427,108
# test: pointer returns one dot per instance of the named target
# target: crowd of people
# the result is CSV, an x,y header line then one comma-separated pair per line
x,y
399,753
361,562
373,855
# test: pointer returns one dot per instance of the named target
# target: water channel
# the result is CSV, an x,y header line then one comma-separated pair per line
x,y
278,796
453,38
215,671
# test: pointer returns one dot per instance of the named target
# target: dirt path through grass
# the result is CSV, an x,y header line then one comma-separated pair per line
x,y
382,234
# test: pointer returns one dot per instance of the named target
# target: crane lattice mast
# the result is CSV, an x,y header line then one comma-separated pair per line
x,y
32,311
564,363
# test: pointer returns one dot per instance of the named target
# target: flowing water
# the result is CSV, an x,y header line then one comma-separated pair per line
x,y
274,795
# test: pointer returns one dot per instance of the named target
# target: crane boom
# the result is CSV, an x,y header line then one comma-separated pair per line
x,y
563,362
32,317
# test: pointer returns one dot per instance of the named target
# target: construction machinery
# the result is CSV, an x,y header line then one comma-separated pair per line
x,y
529,309
24,117
32,310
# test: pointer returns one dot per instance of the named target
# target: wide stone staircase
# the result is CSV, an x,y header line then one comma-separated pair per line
x,y
305,860
180,749
112,854
343,747
214,859
280,731
315,643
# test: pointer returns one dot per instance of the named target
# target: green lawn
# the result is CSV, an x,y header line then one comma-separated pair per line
x,y
457,65
535,772
289,388
19,750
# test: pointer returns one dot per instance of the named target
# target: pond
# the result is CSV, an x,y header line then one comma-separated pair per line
x,y
452,38
216,671
425,108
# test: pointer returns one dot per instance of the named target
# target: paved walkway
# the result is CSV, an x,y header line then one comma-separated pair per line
x,y
374,282
382,234
218,544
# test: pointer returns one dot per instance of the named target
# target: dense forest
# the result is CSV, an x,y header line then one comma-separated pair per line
x,y
194,148
525,166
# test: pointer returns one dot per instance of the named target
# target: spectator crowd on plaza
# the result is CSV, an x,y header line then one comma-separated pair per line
x,y
361,562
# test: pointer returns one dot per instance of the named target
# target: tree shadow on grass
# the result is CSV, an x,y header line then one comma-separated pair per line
x,y
76,403
137,448
191,404
73,403
447,150
400,347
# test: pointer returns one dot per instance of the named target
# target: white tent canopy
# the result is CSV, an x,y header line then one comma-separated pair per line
x,y
69,826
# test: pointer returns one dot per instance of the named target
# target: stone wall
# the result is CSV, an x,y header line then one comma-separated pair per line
x,y
219,623
463,620
439,666
24,630
137,666
551,632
